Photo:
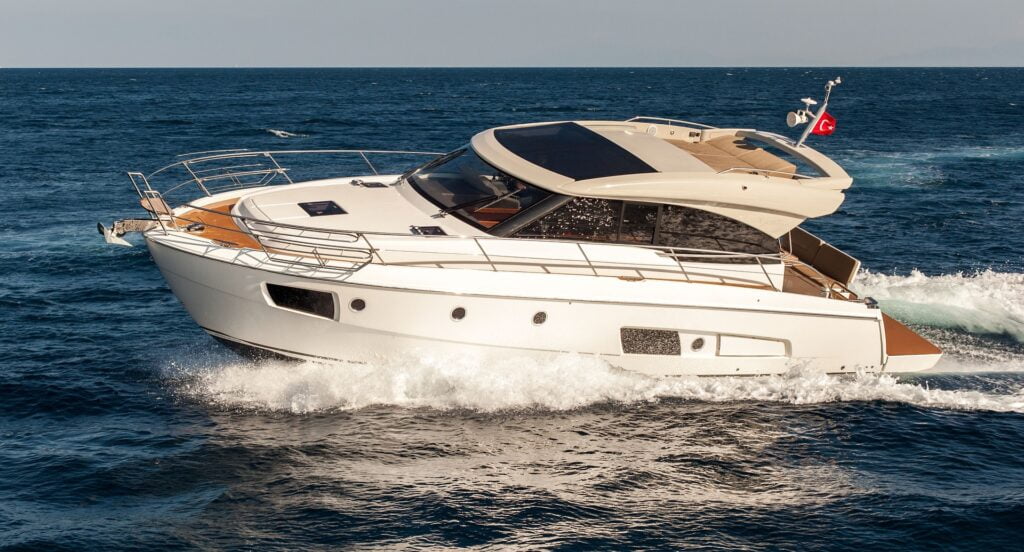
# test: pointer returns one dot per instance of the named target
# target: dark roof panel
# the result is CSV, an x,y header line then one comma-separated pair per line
x,y
571,150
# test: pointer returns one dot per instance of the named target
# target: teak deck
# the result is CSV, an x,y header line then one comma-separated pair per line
x,y
219,227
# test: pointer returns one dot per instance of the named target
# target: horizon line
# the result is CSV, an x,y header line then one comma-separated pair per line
x,y
515,67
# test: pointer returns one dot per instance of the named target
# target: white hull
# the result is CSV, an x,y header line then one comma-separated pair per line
x,y
744,331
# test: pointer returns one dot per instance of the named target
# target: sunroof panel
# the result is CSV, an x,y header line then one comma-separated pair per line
x,y
571,150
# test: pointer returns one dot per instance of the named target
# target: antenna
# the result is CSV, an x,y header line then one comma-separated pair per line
x,y
802,116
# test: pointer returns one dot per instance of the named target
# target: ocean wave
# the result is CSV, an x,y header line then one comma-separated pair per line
x,y
284,133
986,302
523,383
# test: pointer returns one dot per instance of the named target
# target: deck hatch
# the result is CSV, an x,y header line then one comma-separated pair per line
x,y
322,208
642,341
571,150
310,301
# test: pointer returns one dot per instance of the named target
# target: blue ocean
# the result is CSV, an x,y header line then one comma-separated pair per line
x,y
124,426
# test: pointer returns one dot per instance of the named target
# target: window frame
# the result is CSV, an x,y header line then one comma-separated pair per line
x,y
442,208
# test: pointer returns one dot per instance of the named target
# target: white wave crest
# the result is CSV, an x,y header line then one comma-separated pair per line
x,y
563,382
986,302
284,133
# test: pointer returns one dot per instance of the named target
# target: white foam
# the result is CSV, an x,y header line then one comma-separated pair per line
x,y
560,383
284,133
986,302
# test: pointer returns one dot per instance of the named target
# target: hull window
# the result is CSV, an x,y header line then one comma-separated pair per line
x,y
318,303
640,341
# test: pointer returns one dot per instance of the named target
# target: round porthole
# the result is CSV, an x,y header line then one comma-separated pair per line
x,y
697,344
357,305
540,318
458,313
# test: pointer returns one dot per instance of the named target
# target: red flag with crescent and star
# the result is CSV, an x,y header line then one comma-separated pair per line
x,y
826,125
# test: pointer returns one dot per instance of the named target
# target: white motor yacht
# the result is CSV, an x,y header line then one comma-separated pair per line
x,y
664,247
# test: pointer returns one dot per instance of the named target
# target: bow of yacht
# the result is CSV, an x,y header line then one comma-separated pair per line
x,y
665,247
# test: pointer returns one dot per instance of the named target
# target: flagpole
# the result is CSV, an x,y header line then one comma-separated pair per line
x,y
819,113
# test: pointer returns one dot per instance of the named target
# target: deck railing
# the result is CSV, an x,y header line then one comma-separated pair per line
x,y
213,172
330,253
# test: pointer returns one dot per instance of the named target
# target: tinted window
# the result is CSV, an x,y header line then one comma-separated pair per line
x,y
583,218
594,219
639,221
571,150
475,191
311,301
697,229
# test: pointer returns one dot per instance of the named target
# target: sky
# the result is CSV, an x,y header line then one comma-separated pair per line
x,y
503,33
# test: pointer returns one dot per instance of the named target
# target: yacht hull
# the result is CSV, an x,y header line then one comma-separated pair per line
x,y
740,332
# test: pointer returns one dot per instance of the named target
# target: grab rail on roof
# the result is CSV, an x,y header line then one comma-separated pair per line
x,y
670,122
766,172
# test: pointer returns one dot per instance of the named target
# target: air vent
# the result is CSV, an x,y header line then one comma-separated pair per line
x,y
319,303
640,341
322,208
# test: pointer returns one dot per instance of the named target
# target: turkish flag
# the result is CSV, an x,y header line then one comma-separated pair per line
x,y
826,125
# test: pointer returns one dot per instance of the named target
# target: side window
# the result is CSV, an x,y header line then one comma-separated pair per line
x,y
583,218
592,219
639,223
697,229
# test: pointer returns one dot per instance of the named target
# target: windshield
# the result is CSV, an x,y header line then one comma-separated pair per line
x,y
461,183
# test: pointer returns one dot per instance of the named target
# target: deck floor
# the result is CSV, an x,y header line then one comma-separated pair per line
x,y
219,227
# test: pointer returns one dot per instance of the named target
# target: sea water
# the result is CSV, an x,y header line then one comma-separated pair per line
x,y
122,425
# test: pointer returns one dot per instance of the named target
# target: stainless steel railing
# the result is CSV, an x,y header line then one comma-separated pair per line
x,y
345,251
670,122
214,172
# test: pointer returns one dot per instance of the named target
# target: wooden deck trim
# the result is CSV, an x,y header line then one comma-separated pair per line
x,y
221,228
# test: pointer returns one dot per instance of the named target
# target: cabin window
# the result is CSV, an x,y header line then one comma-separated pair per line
x,y
696,229
464,185
603,220
639,222
319,303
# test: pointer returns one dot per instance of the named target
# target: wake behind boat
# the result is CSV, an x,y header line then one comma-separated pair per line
x,y
665,247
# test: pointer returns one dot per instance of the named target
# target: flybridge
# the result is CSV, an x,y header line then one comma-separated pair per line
x,y
758,178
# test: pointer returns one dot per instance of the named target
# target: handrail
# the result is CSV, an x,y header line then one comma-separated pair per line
x,y
756,170
294,244
271,153
235,169
356,250
645,118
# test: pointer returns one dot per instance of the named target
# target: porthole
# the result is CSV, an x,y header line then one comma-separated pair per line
x,y
540,318
697,344
458,313
357,305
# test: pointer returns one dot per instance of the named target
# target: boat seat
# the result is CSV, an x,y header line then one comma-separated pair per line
x,y
835,264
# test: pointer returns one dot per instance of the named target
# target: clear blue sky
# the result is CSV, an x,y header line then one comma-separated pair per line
x,y
407,33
